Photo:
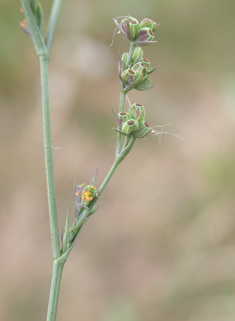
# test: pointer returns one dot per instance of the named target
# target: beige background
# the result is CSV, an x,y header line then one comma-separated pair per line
x,y
161,246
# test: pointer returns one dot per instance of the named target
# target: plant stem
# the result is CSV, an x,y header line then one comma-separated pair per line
x,y
55,288
52,23
121,109
123,97
117,161
48,157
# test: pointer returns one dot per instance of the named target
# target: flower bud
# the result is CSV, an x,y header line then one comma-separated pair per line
x,y
124,59
137,55
131,29
144,83
125,26
148,23
130,126
138,66
128,76
144,130
137,112
146,63
134,28
122,117
145,35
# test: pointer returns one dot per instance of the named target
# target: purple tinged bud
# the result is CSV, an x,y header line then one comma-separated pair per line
x,y
128,76
124,25
145,34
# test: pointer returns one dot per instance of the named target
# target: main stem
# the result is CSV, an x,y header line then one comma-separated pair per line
x,y
55,289
48,157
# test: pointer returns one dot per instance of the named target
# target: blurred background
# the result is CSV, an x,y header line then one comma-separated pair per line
x,y
161,245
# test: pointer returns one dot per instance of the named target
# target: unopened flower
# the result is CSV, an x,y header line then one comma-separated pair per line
x,y
137,55
139,33
137,112
148,23
130,126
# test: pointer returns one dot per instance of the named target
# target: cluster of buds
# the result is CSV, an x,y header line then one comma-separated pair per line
x,y
134,69
38,14
132,123
141,33
84,194
136,73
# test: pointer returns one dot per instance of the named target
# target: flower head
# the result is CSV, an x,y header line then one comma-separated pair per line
x,y
140,33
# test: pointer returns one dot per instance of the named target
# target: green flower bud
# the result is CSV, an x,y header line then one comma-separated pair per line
x,y
144,130
122,117
143,84
137,55
137,112
139,66
148,23
128,76
146,63
139,69
130,126
124,59
134,28
143,124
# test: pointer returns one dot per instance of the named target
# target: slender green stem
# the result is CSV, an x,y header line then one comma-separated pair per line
x,y
55,289
48,157
127,139
121,109
117,161
52,23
